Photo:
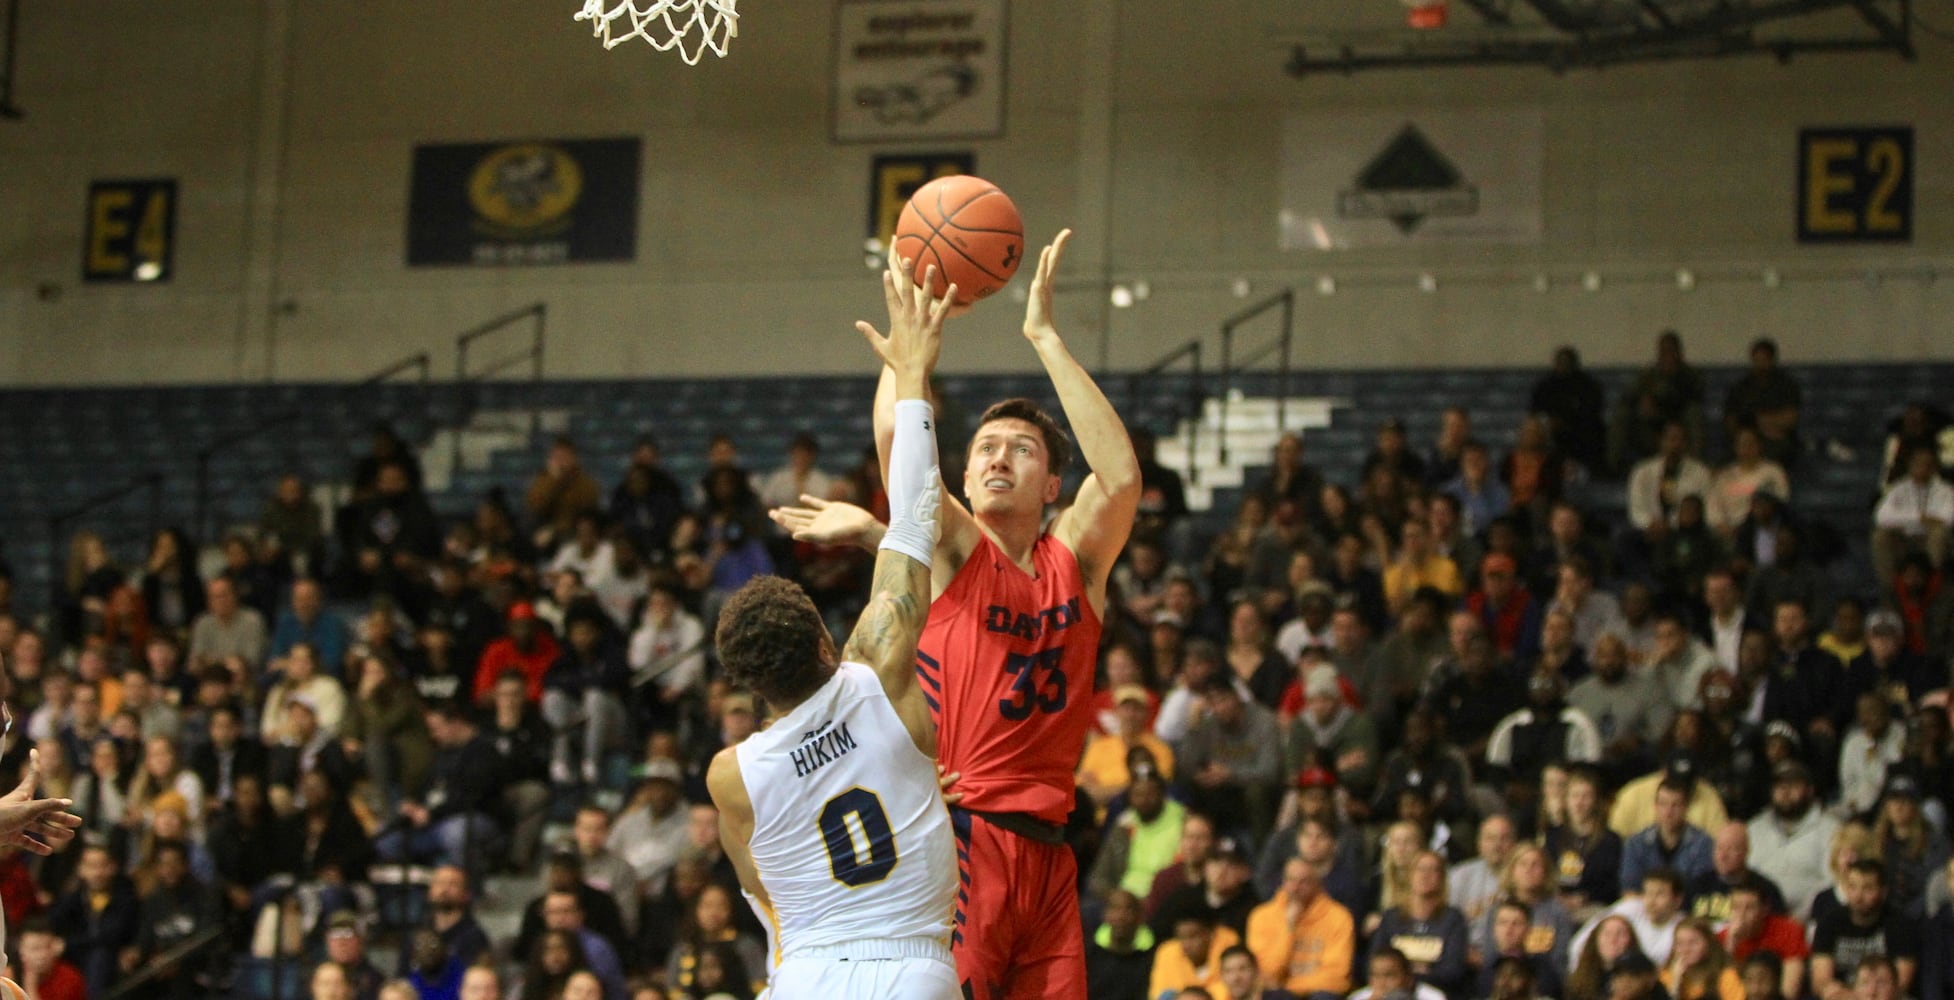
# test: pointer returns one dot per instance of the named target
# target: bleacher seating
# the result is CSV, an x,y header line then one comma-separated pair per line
x,y
63,446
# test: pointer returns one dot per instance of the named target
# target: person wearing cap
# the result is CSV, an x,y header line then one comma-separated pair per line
x,y
1912,847
528,647
1792,839
1867,925
1634,808
1102,769
1310,628
1328,729
1123,668
1185,703
1871,746
1233,758
346,945
1505,607
1143,839
1226,892
1888,667
1302,940
651,832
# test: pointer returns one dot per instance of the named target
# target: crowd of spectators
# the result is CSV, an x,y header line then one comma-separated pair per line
x,y
1438,731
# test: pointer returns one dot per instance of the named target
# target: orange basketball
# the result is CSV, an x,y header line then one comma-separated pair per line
x,y
967,228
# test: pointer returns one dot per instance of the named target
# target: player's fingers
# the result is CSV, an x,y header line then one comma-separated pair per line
x,y
941,308
813,502
876,342
32,846
901,285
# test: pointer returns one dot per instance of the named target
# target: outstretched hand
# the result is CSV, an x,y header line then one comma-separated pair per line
x,y
42,826
1038,304
829,522
915,320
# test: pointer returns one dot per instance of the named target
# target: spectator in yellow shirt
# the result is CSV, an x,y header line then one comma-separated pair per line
x,y
1103,771
1419,565
1302,939
1193,957
1634,809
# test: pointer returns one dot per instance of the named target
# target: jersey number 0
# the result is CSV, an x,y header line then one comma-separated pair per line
x,y
861,845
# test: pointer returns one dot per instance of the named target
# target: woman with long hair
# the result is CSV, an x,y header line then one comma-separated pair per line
x,y
1251,656
1430,931
722,972
91,576
1585,854
171,588
553,959
162,780
1551,811
1226,566
384,728
1390,884
1612,939
1527,880
1909,845
1854,842
710,923
1699,968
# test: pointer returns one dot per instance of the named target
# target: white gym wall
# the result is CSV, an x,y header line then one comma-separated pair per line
x,y
1155,130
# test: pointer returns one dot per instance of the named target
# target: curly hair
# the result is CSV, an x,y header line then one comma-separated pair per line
x,y
770,638
1058,447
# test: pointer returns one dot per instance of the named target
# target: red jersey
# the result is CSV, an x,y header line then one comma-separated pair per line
x,y
1007,663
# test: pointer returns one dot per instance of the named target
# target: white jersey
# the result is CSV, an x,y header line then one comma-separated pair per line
x,y
851,838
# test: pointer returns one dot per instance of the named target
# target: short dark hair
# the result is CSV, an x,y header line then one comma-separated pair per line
x,y
1237,949
1869,866
1747,884
1515,903
1667,876
1766,345
1680,785
1391,954
769,637
1058,447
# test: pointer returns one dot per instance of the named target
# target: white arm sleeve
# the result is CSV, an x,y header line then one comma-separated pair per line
x,y
915,486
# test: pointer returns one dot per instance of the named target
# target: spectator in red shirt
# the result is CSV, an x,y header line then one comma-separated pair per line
x,y
528,647
1505,607
1754,927
43,973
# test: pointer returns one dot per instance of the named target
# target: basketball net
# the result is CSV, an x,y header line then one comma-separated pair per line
x,y
690,26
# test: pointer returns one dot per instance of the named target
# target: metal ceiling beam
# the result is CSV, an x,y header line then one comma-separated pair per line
x,y
1888,29
1559,57
1490,14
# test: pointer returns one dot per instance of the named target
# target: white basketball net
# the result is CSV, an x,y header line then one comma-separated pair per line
x,y
690,26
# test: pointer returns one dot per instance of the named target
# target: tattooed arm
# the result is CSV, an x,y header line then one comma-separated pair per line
x,y
899,597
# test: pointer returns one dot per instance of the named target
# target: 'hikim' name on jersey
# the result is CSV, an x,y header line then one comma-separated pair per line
x,y
819,747
998,618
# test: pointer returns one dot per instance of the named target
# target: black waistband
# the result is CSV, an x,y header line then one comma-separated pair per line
x,y
1028,827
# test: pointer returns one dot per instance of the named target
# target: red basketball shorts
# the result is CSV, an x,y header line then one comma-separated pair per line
x,y
1017,932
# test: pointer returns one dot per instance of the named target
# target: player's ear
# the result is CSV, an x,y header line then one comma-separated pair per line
x,y
828,654
1054,484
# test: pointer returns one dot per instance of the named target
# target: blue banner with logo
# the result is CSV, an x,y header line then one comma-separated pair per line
x,y
548,201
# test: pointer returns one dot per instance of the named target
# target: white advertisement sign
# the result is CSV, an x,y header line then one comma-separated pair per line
x,y
1378,179
919,69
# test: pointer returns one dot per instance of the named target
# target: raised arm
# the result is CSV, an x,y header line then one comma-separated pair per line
x,y
1096,525
899,595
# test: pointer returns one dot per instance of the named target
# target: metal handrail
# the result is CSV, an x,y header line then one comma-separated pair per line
x,y
422,363
1286,299
1196,394
58,523
537,314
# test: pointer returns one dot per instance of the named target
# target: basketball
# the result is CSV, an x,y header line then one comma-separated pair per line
x,y
967,228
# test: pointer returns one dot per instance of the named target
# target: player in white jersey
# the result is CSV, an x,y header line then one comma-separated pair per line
x,y
833,816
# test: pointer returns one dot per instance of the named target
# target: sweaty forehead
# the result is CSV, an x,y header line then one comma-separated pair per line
x,y
1009,428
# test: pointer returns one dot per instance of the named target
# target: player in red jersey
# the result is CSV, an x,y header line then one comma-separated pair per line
x,y
1007,659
